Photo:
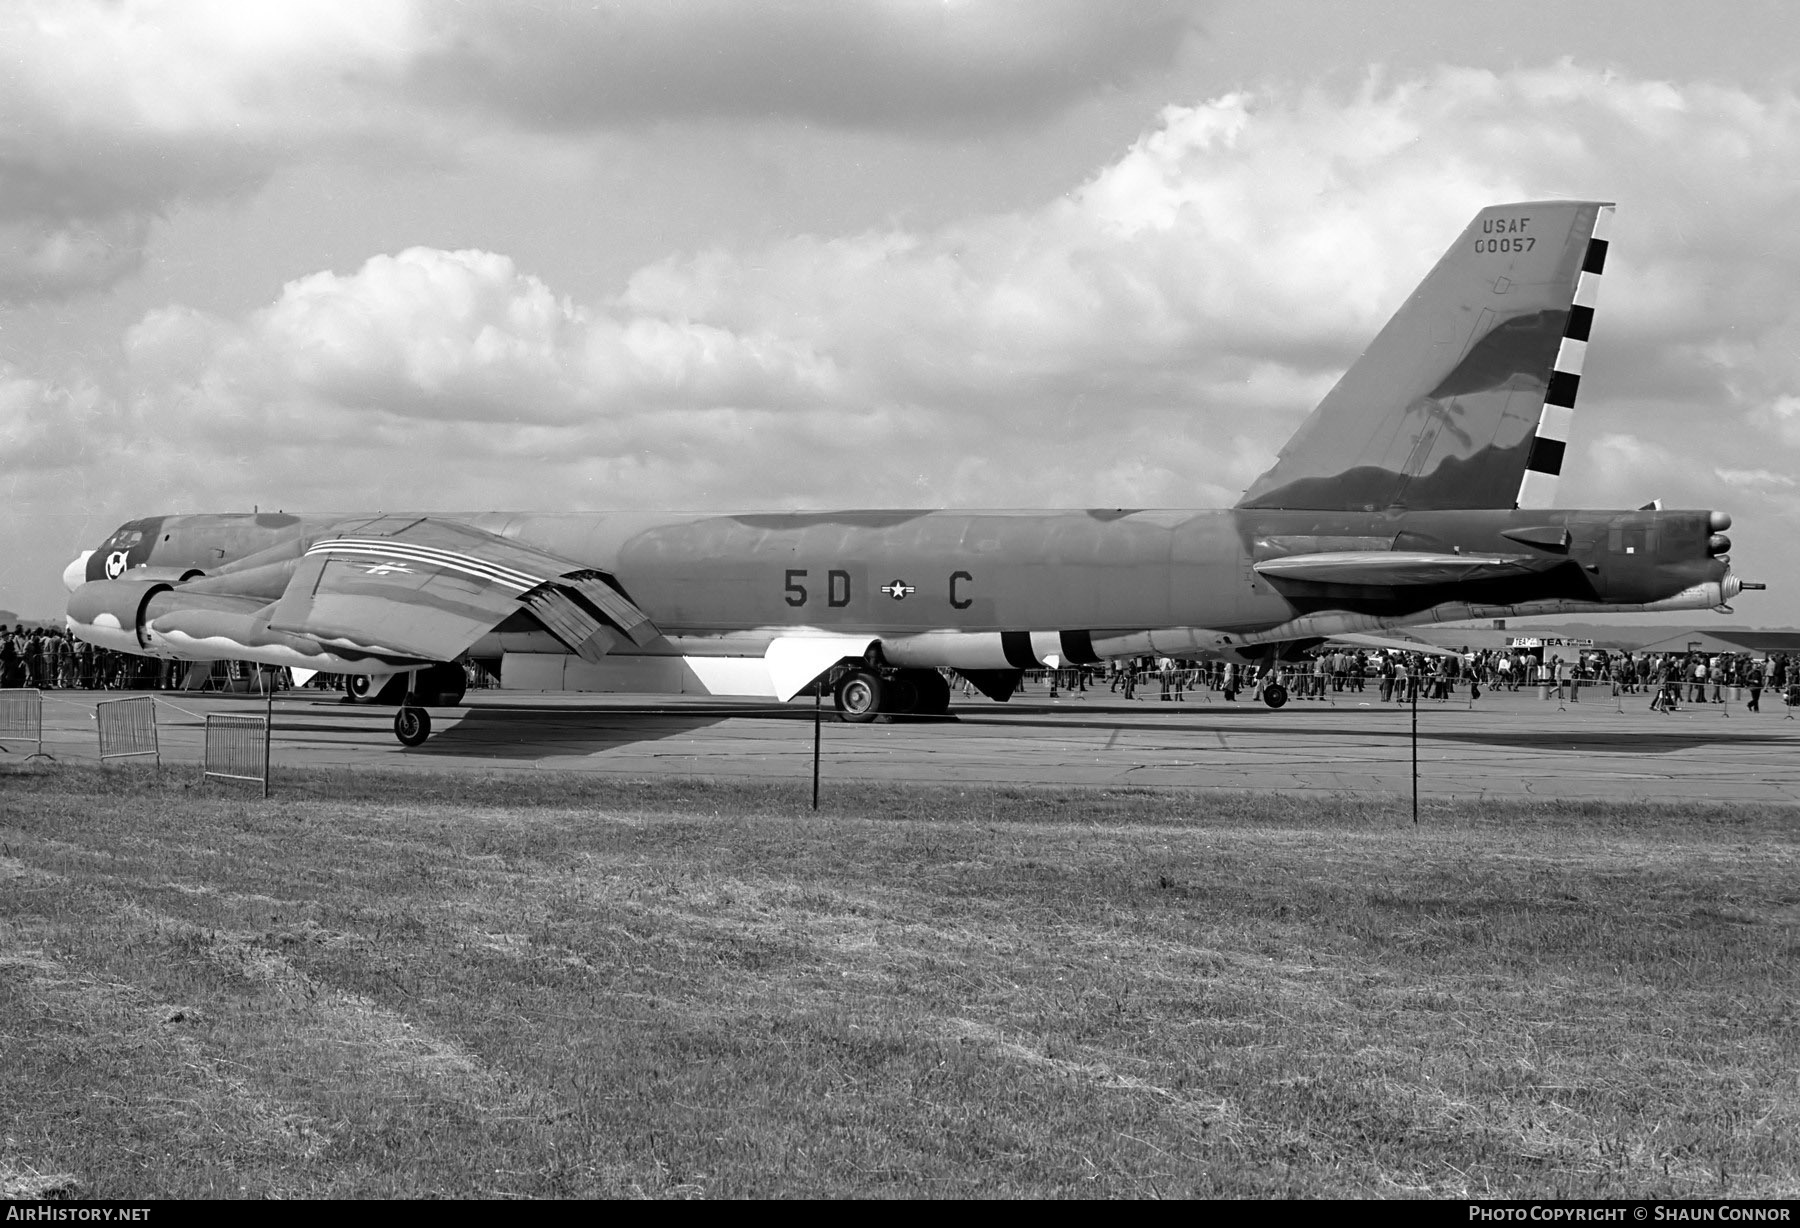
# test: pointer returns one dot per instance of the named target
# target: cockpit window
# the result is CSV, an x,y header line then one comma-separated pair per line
x,y
126,539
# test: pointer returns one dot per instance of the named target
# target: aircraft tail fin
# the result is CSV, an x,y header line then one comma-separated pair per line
x,y
1464,399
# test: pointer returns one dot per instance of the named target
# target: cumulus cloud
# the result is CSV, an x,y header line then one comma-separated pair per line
x,y
119,109
1148,338
1782,415
902,64
464,336
1626,458
1151,337
1755,477
50,427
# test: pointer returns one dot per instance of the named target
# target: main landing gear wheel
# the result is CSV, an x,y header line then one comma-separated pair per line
x,y
356,687
859,696
412,726
902,695
1275,695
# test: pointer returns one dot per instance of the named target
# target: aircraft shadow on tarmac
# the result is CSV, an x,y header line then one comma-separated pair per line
x,y
531,731
526,733
519,731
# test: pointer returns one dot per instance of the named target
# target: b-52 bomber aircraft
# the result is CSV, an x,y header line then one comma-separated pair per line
x,y
1416,492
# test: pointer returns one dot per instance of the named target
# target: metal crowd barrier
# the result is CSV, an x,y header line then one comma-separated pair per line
x,y
237,748
22,717
127,727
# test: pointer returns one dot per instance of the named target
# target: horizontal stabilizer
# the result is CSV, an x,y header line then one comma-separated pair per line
x,y
1400,568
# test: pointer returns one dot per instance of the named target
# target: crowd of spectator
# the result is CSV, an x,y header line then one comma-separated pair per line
x,y
49,659
1669,679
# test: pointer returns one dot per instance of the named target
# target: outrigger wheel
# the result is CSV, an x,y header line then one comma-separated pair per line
x,y
933,692
1275,695
412,725
859,695
356,686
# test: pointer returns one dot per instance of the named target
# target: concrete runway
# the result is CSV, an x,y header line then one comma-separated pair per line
x,y
1508,745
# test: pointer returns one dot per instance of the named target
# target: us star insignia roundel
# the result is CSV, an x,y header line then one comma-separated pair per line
x,y
898,590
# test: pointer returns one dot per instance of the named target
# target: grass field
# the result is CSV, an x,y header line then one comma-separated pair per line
x,y
553,986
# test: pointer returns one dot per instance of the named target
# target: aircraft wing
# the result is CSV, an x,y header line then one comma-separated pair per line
x,y
424,588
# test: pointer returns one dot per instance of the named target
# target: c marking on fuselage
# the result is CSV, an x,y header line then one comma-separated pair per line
x,y
957,600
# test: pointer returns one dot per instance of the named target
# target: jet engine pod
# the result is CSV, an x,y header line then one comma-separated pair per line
x,y
110,613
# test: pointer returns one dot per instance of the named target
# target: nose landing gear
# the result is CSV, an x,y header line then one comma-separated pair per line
x,y
412,726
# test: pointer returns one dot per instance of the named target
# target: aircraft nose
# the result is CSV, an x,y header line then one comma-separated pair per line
x,y
75,574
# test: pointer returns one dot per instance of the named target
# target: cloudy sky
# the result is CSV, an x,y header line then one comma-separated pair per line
x,y
809,253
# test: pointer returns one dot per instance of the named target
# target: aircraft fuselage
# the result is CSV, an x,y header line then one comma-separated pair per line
x,y
999,589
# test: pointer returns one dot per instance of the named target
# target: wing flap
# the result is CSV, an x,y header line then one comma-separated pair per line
x,y
568,622
603,596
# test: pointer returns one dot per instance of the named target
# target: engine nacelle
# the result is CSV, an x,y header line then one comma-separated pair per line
x,y
111,613
155,618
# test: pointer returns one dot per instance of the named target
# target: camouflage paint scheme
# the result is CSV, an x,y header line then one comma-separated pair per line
x,y
1444,415
727,584
1397,501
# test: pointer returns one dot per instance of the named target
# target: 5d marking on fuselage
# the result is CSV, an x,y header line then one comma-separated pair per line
x,y
840,588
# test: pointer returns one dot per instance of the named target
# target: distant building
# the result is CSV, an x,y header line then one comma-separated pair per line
x,y
1757,643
